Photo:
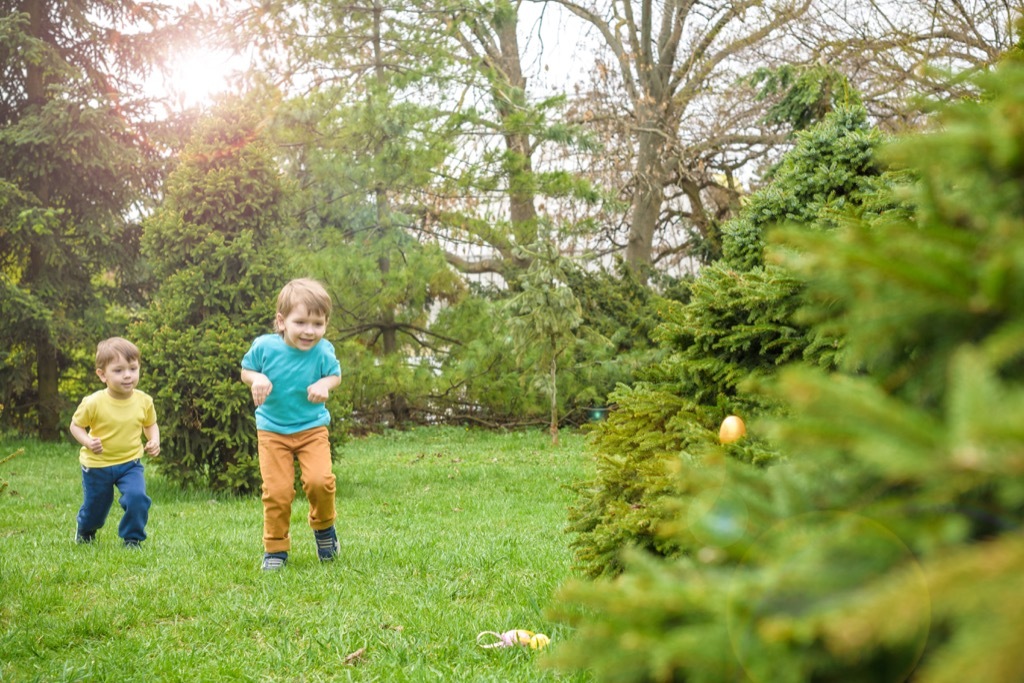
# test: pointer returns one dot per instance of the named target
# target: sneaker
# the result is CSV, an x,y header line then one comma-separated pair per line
x,y
274,561
85,537
327,545
132,544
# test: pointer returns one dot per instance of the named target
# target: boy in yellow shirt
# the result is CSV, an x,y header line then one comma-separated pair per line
x,y
108,424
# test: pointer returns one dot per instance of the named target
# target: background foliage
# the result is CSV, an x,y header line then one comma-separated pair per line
x,y
736,326
886,538
858,307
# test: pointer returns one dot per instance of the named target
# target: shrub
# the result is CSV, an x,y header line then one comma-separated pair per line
x,y
479,380
215,248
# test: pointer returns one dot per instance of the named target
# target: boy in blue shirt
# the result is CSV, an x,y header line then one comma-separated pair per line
x,y
291,374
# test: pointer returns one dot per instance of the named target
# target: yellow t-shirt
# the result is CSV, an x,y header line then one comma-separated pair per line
x,y
117,423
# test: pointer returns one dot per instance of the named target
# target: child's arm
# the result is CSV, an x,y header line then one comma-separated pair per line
x,y
259,383
152,433
317,391
82,436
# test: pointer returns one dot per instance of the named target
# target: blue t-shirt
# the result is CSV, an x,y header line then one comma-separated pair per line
x,y
287,409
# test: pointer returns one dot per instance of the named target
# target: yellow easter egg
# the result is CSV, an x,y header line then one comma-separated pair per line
x,y
732,429
539,641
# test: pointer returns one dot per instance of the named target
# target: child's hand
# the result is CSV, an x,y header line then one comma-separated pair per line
x,y
317,391
152,447
261,388
95,445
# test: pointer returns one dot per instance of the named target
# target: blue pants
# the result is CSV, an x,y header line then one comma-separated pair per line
x,y
98,488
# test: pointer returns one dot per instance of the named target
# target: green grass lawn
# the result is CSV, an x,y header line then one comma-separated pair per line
x,y
444,533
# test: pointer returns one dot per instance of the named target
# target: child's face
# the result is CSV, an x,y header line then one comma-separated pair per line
x,y
302,329
121,376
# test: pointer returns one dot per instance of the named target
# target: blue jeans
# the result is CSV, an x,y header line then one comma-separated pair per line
x,y
98,488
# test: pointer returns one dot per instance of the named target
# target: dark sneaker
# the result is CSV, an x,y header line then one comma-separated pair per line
x,y
274,561
85,537
132,544
327,545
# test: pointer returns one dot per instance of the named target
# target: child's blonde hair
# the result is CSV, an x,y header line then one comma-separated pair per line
x,y
307,292
109,350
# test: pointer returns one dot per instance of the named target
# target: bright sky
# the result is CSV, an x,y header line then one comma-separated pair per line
x,y
554,45
198,73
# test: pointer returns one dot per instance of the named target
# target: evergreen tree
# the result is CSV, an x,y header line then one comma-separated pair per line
x,y
480,381
544,316
74,161
363,147
736,325
619,319
215,246
887,545
801,96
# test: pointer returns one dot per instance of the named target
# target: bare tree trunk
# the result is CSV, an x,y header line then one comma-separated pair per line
x,y
495,47
522,210
554,400
47,372
397,402
647,200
